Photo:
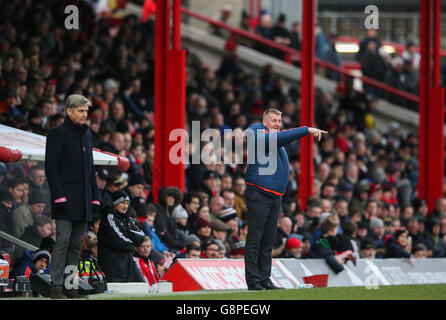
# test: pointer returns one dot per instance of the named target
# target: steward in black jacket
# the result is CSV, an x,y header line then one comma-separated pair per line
x,y
117,238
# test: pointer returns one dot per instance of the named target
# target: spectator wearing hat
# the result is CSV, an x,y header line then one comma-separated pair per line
x,y
114,183
230,217
396,245
209,184
24,215
203,229
210,249
366,250
237,247
346,190
179,214
39,264
388,226
117,239
22,263
363,229
135,187
220,231
306,244
293,248
376,235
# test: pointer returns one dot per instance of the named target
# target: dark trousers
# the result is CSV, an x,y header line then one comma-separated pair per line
x,y
263,213
66,249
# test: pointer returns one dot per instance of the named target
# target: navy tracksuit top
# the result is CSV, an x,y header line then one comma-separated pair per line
x,y
262,173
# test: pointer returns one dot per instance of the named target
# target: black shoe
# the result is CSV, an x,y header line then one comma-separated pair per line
x,y
269,285
56,293
72,294
256,287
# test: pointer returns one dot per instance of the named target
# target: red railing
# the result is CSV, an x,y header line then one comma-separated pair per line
x,y
291,54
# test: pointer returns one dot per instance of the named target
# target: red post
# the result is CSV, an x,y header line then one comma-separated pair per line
x,y
306,176
431,128
170,95
176,25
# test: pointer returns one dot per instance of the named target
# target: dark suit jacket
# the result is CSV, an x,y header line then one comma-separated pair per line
x,y
70,171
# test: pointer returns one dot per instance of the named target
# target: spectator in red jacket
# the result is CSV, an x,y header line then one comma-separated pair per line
x,y
145,265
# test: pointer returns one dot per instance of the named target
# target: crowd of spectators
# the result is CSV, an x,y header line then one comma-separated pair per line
x,y
364,200
397,69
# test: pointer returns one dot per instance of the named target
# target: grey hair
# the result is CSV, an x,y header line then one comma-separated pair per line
x,y
271,110
76,100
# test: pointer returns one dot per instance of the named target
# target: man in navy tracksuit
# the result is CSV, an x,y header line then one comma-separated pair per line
x,y
266,180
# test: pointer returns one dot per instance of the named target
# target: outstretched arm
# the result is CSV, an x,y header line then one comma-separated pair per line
x,y
287,136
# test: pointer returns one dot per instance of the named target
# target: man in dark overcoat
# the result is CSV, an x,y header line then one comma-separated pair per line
x,y
72,180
